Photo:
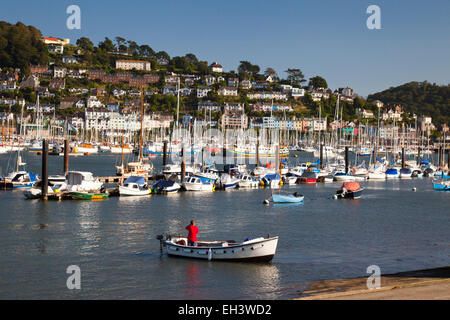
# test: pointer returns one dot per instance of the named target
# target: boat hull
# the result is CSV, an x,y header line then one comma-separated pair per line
x,y
441,187
254,251
279,198
308,180
350,194
123,191
88,196
198,186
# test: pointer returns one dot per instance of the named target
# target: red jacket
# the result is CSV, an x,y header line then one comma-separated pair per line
x,y
193,231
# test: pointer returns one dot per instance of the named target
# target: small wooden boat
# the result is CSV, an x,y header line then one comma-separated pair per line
x,y
287,198
251,250
349,190
89,195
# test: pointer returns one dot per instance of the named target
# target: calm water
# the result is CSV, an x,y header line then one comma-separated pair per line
x,y
113,241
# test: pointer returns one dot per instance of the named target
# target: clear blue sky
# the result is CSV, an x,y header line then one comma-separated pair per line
x,y
327,38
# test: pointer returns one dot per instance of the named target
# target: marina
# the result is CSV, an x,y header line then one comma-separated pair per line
x,y
319,234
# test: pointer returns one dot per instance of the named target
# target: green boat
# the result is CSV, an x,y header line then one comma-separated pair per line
x,y
89,196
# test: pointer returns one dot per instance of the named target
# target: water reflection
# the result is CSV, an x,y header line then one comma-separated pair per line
x,y
194,280
88,217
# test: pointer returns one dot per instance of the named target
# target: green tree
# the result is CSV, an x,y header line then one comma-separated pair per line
x,y
318,82
271,72
245,68
295,76
85,44
146,51
107,45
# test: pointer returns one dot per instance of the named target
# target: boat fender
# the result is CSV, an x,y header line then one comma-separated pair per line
x,y
266,201
414,189
209,254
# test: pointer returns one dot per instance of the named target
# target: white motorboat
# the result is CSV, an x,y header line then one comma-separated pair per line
x,y
80,181
227,181
134,186
247,181
195,183
251,250
86,148
35,193
262,171
272,180
118,149
166,187
298,170
208,173
291,179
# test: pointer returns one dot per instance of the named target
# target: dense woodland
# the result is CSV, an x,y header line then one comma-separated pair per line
x,y
20,46
422,98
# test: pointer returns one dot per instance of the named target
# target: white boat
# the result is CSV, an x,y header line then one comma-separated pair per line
x,y
35,193
134,186
86,148
166,187
81,181
291,179
208,173
118,149
272,180
339,174
227,181
251,250
139,168
194,183
247,181
262,171
298,170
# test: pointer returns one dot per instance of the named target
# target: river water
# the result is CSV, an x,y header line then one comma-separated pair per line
x,y
113,241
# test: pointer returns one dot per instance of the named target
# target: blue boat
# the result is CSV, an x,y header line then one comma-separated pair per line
x,y
19,180
442,185
287,198
392,173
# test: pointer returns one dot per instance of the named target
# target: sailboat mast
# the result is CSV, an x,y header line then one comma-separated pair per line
x,y
142,125
178,99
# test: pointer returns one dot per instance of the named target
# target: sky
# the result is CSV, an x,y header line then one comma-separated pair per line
x,y
329,38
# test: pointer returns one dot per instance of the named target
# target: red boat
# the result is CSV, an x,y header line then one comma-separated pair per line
x,y
309,177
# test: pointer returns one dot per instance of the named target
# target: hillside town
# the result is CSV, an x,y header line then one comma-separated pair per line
x,y
82,98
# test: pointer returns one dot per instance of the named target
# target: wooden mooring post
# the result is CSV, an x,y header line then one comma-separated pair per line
x,y
44,178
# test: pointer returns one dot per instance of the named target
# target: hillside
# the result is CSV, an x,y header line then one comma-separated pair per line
x,y
421,98
20,46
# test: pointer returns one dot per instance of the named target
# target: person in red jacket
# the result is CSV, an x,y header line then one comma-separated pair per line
x,y
192,236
